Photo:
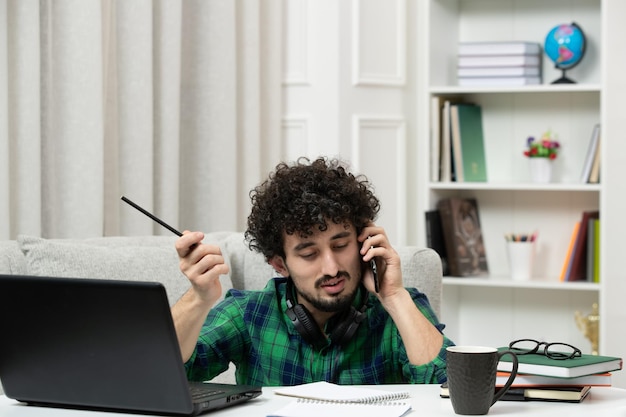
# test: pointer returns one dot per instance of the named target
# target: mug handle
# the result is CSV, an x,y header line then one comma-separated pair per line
x,y
506,386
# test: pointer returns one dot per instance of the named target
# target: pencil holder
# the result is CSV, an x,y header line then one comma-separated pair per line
x,y
521,256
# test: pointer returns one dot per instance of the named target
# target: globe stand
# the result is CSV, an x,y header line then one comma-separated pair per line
x,y
563,79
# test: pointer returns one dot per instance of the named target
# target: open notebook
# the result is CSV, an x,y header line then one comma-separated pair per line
x,y
325,399
98,344
326,391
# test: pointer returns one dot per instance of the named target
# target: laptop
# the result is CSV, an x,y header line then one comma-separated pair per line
x,y
100,345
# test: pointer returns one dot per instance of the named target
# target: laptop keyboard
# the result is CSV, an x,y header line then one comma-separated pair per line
x,y
200,391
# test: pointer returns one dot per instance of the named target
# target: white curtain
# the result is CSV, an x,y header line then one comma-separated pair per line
x,y
173,103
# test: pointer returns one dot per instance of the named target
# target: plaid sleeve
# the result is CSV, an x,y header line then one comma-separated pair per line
x,y
222,339
433,372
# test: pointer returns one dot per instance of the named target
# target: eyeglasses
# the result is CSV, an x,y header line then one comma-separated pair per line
x,y
556,350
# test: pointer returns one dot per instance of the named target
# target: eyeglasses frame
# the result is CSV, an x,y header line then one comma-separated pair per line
x,y
546,352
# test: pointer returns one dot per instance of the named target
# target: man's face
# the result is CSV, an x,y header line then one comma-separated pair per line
x,y
325,268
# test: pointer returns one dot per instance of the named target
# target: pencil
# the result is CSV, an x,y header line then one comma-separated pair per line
x,y
152,216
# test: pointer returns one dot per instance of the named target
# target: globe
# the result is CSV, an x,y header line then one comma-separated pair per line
x,y
565,46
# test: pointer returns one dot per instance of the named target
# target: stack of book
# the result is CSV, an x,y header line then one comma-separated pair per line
x,y
542,379
513,63
562,393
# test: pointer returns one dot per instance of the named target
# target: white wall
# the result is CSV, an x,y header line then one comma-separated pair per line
x,y
347,93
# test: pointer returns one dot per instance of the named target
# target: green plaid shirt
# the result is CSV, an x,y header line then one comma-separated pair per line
x,y
251,329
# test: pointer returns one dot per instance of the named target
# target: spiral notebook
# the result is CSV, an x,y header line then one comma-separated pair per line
x,y
303,407
326,391
323,398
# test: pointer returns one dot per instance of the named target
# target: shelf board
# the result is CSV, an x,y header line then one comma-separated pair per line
x,y
543,88
506,282
508,186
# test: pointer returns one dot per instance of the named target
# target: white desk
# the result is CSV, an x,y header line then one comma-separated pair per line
x,y
425,400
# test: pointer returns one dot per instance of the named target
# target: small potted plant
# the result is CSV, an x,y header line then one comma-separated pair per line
x,y
541,153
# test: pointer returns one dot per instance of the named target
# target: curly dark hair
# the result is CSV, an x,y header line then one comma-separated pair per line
x,y
304,196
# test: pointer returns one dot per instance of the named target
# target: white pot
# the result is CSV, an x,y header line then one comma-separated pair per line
x,y
540,169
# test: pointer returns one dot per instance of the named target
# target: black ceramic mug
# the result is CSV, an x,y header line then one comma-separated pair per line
x,y
472,378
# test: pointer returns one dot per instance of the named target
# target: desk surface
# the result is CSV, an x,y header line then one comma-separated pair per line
x,y
425,400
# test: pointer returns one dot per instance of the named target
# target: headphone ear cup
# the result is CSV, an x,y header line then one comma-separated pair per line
x,y
307,327
345,329
302,320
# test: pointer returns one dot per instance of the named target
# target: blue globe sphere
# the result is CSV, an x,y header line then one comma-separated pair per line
x,y
565,45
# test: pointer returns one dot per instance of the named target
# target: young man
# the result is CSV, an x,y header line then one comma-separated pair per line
x,y
323,320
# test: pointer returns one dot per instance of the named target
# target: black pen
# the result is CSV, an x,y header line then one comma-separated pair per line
x,y
152,216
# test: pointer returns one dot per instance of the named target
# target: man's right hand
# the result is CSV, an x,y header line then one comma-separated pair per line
x,y
202,264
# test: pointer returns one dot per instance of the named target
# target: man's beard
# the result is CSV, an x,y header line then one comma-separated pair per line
x,y
340,302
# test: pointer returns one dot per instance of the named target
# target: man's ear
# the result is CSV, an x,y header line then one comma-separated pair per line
x,y
278,263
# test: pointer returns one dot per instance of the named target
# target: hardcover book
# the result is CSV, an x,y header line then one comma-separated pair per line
x,y
499,81
467,143
436,104
534,381
446,164
564,394
434,238
463,237
592,149
446,149
500,61
569,254
594,175
499,48
568,368
591,249
578,271
596,250
499,72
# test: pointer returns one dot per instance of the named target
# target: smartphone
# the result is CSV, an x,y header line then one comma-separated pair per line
x,y
374,269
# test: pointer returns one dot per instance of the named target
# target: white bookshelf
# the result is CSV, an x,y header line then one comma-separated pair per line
x,y
515,186
504,281
496,309
530,89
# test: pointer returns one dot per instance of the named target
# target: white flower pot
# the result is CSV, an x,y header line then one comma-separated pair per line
x,y
541,169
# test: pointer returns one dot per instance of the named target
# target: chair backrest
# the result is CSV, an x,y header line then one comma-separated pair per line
x,y
421,269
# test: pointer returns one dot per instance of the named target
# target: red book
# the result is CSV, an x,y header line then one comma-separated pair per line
x,y
531,380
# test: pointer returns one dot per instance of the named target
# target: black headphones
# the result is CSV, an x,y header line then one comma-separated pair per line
x,y
310,331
